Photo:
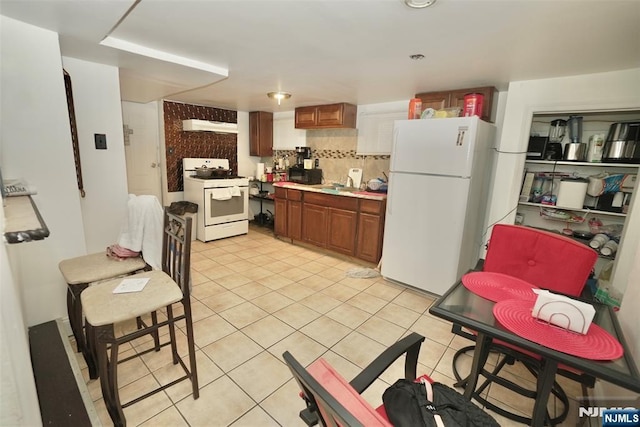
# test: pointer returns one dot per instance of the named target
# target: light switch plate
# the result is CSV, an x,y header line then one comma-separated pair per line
x,y
101,141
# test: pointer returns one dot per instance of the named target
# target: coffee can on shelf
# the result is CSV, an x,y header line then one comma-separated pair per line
x,y
473,105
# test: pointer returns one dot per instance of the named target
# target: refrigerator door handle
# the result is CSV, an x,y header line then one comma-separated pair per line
x,y
390,196
396,136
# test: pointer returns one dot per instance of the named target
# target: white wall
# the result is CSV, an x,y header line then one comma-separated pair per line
x,y
246,163
19,402
36,145
96,97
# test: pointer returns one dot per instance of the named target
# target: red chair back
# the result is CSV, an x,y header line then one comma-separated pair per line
x,y
548,260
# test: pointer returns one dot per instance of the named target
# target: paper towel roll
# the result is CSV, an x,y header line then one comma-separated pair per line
x,y
259,171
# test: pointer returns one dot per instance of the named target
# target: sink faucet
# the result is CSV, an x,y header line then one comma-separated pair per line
x,y
349,180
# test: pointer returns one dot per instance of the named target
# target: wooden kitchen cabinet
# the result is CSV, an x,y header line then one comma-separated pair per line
x,y
294,214
348,225
435,100
341,115
370,230
314,225
260,134
342,231
330,221
288,213
455,98
280,218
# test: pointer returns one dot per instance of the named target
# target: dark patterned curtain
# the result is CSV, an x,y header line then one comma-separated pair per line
x,y
74,131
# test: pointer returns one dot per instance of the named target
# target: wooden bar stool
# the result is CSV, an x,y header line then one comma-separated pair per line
x,y
79,273
103,308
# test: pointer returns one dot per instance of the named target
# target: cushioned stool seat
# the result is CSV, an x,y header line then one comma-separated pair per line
x,y
79,273
104,308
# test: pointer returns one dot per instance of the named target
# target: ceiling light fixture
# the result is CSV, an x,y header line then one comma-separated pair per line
x,y
279,96
416,56
419,4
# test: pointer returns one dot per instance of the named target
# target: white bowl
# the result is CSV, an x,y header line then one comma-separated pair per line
x,y
374,184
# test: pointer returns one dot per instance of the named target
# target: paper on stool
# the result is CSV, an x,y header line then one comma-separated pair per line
x,y
131,285
563,311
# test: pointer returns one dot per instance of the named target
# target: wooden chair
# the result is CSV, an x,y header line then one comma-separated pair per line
x,y
79,273
166,287
549,261
332,401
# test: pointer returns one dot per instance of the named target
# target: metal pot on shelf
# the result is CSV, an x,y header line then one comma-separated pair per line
x,y
622,143
575,151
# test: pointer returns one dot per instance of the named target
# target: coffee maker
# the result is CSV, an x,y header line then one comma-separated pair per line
x,y
302,154
304,174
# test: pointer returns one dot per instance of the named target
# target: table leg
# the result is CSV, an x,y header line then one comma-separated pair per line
x,y
480,354
546,378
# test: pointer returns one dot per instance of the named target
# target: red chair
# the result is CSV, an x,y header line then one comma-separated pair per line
x,y
550,261
332,401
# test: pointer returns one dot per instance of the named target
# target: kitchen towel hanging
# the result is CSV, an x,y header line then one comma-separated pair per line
x,y
225,193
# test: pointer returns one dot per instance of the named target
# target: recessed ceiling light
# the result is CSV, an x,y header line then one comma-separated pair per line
x,y
419,4
279,96
416,56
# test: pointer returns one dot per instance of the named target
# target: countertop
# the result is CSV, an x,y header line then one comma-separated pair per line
x,y
332,189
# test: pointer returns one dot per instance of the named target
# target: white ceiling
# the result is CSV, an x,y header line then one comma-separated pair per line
x,y
327,51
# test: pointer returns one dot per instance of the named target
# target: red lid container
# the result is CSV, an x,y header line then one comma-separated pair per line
x,y
473,105
415,108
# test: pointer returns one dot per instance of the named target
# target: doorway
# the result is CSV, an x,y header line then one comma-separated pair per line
x,y
142,145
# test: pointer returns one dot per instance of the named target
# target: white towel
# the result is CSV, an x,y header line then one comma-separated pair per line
x,y
225,193
142,231
221,194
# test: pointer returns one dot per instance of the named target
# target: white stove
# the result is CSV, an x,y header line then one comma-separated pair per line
x,y
223,203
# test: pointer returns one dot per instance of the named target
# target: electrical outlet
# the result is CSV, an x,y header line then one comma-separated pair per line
x,y
101,141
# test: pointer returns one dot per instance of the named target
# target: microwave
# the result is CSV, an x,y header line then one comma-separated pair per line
x,y
305,176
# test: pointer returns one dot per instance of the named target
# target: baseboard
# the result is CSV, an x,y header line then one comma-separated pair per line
x,y
64,327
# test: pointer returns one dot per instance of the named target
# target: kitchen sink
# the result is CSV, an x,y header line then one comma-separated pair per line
x,y
335,189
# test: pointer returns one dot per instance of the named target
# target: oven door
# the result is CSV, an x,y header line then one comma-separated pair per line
x,y
220,207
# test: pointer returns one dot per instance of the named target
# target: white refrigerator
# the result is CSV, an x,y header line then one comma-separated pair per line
x,y
437,197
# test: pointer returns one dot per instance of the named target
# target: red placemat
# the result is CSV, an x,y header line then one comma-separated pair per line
x,y
596,344
498,287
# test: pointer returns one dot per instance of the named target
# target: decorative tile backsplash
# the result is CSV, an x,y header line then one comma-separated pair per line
x,y
180,144
335,150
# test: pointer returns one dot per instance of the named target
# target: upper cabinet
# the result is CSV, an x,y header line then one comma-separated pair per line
x,y
330,116
285,135
375,126
260,133
455,98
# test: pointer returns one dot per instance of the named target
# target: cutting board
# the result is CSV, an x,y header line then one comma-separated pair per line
x,y
356,175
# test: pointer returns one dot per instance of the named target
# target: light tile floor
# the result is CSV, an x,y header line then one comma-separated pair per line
x,y
255,297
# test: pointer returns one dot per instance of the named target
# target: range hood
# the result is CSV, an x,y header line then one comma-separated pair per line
x,y
194,125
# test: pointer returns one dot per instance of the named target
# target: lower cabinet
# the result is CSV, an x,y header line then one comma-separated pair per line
x,y
314,225
347,225
370,230
281,217
342,236
294,215
288,217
